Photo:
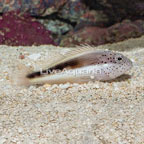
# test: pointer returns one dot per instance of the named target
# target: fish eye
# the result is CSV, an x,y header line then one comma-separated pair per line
x,y
119,58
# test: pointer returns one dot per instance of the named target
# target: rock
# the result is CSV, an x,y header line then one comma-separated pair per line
x,y
92,18
72,10
70,22
33,7
118,10
125,30
57,28
93,35
87,35
16,30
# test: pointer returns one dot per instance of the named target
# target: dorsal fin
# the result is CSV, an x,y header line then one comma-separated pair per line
x,y
79,50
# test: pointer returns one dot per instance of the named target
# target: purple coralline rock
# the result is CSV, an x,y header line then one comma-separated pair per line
x,y
93,35
16,30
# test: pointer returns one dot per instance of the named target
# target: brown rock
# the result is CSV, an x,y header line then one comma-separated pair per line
x,y
97,36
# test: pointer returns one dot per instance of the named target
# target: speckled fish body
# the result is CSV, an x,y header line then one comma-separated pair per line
x,y
82,66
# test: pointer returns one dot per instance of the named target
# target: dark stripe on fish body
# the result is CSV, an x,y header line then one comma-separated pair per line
x,y
59,67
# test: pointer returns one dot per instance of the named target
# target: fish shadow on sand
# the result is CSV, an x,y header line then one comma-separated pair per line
x,y
121,78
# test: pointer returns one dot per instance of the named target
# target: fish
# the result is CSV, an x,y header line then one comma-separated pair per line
x,y
81,65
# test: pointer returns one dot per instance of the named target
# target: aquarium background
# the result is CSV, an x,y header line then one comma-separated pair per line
x,y
70,22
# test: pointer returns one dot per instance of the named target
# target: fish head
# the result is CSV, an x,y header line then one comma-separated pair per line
x,y
123,62
113,65
118,64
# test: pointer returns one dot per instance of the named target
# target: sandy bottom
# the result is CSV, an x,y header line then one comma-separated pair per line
x,y
92,113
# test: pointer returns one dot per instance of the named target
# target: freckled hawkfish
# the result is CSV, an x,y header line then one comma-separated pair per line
x,y
81,65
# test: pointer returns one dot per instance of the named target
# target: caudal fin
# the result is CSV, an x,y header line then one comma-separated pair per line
x,y
19,77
